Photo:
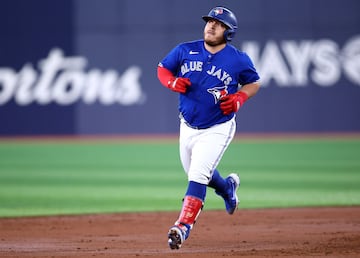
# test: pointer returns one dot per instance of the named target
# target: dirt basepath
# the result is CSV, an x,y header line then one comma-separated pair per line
x,y
298,232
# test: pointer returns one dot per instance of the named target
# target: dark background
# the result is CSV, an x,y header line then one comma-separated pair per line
x,y
114,37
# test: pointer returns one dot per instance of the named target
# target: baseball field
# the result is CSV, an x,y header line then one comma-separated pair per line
x,y
116,197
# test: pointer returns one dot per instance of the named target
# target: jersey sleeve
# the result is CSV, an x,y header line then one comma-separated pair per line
x,y
172,60
248,72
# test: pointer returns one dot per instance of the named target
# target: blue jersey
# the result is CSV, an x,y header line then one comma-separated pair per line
x,y
212,76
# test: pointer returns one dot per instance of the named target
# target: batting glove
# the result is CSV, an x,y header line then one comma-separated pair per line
x,y
179,84
232,102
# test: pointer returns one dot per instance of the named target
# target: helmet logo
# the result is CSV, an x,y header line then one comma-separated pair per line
x,y
218,11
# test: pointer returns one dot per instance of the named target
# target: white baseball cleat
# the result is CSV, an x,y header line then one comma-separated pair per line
x,y
177,235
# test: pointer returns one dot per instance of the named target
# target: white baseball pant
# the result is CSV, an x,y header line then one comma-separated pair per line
x,y
202,149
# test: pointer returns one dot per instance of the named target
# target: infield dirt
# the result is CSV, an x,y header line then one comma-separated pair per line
x,y
295,232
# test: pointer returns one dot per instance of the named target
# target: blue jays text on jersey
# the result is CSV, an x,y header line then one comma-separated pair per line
x,y
212,76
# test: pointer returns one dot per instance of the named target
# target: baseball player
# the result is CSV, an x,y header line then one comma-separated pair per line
x,y
214,80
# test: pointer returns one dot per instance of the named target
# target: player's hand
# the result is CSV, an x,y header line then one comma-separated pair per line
x,y
179,84
232,102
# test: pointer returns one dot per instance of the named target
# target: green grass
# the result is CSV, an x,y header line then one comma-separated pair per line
x,y
54,177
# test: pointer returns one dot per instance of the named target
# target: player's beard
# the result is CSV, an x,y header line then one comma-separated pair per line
x,y
215,42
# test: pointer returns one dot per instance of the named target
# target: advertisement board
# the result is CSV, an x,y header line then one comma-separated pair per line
x,y
89,67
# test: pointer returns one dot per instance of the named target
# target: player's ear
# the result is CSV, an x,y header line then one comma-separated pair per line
x,y
229,34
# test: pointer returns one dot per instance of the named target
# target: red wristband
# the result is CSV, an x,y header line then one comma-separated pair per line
x,y
243,97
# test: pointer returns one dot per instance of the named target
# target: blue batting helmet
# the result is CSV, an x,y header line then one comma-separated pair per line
x,y
225,16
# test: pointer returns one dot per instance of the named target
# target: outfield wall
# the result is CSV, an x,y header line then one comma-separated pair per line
x,y
89,66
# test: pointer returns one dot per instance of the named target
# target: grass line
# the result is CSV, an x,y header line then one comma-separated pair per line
x,y
66,177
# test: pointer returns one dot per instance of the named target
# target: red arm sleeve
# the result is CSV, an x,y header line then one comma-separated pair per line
x,y
164,76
